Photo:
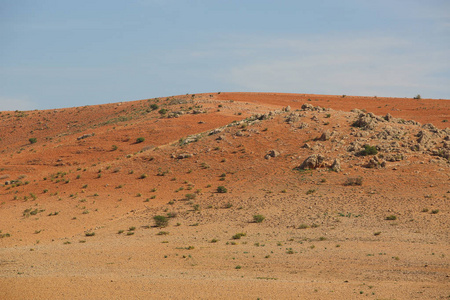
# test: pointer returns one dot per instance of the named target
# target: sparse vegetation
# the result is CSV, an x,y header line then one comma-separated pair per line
x,y
258,218
369,150
222,189
237,236
161,221
352,181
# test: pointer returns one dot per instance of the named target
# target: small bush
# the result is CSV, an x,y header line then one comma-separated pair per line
x,y
237,236
258,218
311,191
369,150
91,233
32,140
222,189
161,221
143,176
162,111
190,196
435,211
352,181
391,218
140,140
154,106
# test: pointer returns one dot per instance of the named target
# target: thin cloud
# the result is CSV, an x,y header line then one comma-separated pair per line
x,y
384,66
7,104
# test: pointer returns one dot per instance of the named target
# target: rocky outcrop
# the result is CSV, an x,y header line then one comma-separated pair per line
x,y
367,121
375,162
326,135
313,162
336,166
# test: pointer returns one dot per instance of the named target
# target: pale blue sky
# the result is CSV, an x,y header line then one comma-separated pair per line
x,y
56,53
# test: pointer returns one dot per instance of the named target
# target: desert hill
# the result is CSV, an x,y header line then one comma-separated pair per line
x,y
266,196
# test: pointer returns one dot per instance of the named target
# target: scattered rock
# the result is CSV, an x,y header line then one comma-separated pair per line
x,y
85,136
312,162
272,153
292,118
375,162
303,125
184,155
366,121
325,136
336,166
215,131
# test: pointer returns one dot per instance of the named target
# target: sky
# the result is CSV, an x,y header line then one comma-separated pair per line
x,y
58,53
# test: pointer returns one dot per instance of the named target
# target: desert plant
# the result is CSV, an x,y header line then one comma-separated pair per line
x,y
237,236
222,189
391,218
190,196
369,150
90,233
161,221
310,191
352,181
32,140
258,218
140,140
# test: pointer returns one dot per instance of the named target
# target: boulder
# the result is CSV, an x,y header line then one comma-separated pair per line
x,y
336,166
272,153
312,162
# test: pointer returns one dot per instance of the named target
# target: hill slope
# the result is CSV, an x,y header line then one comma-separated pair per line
x,y
336,186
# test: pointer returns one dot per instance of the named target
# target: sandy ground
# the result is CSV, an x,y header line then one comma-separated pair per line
x,y
319,239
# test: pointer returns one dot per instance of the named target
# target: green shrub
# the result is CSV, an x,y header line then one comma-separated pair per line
x,y
32,140
161,221
140,140
391,218
222,189
154,106
237,236
369,150
258,218
162,111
